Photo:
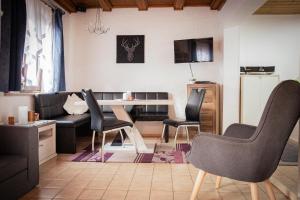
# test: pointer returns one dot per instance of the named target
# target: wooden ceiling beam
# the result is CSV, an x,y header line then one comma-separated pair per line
x,y
217,4
142,4
105,5
179,4
68,5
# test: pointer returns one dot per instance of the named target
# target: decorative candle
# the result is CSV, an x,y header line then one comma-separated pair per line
x,y
36,116
11,120
31,116
125,96
23,114
129,96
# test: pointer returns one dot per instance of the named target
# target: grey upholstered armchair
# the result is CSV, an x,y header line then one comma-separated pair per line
x,y
248,153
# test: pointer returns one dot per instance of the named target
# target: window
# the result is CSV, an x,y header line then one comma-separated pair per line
x,y
37,68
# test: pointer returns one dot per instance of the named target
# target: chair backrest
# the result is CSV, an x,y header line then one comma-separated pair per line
x,y
193,106
97,118
280,115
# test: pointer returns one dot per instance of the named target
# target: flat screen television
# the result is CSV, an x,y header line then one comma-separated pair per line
x,y
193,50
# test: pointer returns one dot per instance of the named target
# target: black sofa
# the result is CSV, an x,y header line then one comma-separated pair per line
x,y
50,106
19,162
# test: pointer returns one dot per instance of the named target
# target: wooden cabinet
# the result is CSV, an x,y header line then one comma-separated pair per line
x,y
210,111
47,140
255,92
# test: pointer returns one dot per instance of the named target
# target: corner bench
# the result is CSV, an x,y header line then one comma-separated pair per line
x,y
68,127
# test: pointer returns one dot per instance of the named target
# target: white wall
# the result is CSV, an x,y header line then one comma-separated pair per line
x,y
231,74
91,59
9,105
272,40
263,40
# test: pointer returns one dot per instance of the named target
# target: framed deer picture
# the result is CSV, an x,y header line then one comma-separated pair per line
x,y
130,48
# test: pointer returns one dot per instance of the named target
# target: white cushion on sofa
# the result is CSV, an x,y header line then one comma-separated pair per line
x,y
73,109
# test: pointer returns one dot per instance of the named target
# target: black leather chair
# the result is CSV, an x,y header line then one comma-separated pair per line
x,y
192,114
101,125
248,153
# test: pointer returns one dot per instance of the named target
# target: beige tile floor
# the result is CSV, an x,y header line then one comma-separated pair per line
x,y
286,178
60,179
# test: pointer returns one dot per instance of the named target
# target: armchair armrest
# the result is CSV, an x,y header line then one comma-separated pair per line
x,y
17,140
225,156
242,131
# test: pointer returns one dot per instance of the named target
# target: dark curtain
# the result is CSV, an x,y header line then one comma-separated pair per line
x,y
58,52
13,30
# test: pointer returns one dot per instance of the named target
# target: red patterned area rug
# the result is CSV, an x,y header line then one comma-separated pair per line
x,y
164,153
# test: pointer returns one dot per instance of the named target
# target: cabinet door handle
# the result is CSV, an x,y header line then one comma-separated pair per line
x,y
41,145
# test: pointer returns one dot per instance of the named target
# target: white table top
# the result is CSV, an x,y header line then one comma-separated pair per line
x,y
120,102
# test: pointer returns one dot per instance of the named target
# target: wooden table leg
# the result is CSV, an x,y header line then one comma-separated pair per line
x,y
134,136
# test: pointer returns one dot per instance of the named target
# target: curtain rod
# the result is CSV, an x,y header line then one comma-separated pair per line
x,y
52,4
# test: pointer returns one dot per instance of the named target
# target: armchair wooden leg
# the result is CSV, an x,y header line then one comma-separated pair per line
x,y
199,181
218,182
254,191
269,188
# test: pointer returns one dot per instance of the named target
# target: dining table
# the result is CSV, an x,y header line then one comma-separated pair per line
x,y
134,135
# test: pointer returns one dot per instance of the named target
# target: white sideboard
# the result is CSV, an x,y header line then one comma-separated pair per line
x,y
255,91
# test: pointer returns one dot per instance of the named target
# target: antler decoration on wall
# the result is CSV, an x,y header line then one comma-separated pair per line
x,y
97,26
130,50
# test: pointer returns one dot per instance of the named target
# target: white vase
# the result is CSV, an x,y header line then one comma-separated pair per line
x,y
23,114
125,96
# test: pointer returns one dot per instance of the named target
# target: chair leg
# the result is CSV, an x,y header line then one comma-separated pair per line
x,y
102,148
122,137
254,191
198,129
218,182
166,134
176,136
187,134
198,183
93,141
163,134
269,188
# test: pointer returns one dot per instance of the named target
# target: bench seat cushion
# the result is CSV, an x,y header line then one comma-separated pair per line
x,y
11,165
153,116
109,116
72,121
